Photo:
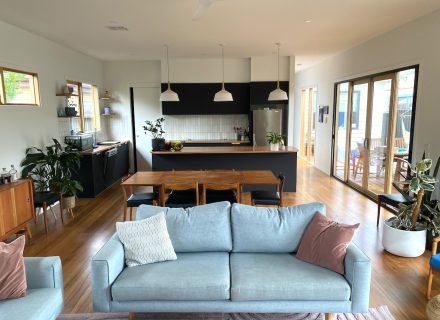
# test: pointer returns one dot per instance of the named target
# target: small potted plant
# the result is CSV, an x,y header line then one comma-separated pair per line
x,y
405,235
155,129
69,189
275,140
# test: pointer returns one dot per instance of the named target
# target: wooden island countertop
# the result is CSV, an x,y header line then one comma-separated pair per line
x,y
225,150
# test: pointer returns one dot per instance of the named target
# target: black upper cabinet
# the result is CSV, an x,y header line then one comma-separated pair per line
x,y
198,98
260,92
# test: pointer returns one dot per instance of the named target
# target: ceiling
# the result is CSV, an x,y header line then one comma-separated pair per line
x,y
246,27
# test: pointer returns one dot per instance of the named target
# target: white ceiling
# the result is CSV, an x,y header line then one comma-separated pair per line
x,y
246,27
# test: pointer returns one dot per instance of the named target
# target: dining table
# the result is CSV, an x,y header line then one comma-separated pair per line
x,y
159,178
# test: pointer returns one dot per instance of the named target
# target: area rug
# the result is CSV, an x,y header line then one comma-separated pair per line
x,y
380,313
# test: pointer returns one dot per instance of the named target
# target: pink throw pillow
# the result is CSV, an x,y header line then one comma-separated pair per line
x,y
12,271
325,243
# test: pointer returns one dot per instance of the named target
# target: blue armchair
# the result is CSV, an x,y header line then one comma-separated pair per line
x,y
44,298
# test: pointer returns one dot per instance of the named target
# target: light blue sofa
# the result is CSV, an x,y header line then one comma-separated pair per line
x,y
230,259
44,298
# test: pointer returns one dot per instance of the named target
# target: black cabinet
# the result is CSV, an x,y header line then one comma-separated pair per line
x,y
259,92
100,170
198,98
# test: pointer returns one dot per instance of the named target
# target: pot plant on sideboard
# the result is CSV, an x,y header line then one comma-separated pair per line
x,y
275,140
155,129
405,235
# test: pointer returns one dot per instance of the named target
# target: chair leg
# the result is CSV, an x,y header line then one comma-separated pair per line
x,y
125,211
379,203
36,216
131,214
61,210
28,231
132,316
53,213
329,316
428,291
45,216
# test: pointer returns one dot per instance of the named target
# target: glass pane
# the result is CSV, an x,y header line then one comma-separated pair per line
x,y
341,127
379,135
358,154
306,123
405,93
314,105
19,88
89,108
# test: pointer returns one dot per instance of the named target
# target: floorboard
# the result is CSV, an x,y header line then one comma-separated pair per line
x,y
399,283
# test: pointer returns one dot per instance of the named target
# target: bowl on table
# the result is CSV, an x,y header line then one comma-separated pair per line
x,y
176,145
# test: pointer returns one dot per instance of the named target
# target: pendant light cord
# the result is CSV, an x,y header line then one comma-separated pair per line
x,y
278,82
168,67
223,67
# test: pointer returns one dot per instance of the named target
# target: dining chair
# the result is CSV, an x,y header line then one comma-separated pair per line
x,y
45,199
269,198
434,266
217,192
134,200
391,201
181,194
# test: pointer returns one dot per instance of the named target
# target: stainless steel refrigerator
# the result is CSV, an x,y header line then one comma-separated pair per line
x,y
264,121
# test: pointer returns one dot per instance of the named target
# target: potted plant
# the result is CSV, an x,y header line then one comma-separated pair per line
x,y
275,140
51,169
155,129
69,189
405,235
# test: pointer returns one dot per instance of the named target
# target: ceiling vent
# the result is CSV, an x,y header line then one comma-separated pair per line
x,y
117,28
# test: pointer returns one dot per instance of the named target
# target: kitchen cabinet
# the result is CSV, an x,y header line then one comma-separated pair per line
x,y
197,98
259,92
101,168
16,207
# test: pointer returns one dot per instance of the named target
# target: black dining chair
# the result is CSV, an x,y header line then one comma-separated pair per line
x,y
44,200
269,198
182,195
213,192
134,200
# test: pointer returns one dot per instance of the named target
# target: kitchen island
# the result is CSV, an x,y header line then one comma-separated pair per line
x,y
239,158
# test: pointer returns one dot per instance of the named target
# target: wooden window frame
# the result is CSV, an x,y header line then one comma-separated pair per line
x,y
96,113
36,88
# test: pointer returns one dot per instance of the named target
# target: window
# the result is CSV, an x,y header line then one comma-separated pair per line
x,y
18,87
85,100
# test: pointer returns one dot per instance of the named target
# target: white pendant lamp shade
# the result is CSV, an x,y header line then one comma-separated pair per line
x,y
223,95
168,94
278,93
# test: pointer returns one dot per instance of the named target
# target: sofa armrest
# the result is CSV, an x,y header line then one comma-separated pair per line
x,y
358,274
107,264
43,272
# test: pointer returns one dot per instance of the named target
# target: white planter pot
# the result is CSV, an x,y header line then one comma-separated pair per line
x,y
274,146
403,243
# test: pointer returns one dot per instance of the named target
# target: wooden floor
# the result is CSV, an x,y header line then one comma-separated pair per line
x,y
399,283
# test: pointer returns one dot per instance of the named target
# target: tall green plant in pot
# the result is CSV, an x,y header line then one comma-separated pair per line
x,y
405,234
155,129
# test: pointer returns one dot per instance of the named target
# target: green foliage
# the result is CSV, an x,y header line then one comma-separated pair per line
x,y
275,137
12,84
68,187
50,167
422,209
155,127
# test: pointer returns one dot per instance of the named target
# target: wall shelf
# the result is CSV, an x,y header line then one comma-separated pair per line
x,y
68,116
63,94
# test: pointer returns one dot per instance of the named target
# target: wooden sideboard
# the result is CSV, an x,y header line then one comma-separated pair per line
x,y
16,208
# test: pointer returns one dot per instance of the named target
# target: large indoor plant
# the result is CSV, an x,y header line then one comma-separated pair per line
x,y
155,129
405,234
275,140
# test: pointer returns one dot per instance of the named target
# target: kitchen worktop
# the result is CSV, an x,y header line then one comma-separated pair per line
x,y
100,149
225,150
215,141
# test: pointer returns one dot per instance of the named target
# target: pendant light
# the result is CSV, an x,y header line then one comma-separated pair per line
x,y
168,95
278,94
223,95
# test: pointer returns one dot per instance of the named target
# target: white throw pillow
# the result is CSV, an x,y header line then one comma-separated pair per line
x,y
146,241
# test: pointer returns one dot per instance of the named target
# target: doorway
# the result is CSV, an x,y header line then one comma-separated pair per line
x,y
308,123
145,105
372,139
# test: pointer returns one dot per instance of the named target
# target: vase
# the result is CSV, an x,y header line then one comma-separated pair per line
x,y
158,144
274,146
70,111
403,243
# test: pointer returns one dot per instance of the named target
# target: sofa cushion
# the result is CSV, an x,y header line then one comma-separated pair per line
x,y
266,230
38,304
193,276
198,229
281,276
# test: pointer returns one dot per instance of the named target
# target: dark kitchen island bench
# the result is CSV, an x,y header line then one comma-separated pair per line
x,y
239,158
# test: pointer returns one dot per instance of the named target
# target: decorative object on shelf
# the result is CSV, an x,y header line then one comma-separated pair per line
x,y
176,145
278,93
106,96
5,177
275,140
71,107
13,173
155,129
241,133
168,95
223,95
405,235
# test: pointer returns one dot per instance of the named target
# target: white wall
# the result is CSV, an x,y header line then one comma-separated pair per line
x,y
265,68
414,43
22,127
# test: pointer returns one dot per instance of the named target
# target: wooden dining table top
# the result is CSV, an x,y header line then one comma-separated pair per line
x,y
243,177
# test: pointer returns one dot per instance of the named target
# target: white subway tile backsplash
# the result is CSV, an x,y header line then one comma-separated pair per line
x,y
184,127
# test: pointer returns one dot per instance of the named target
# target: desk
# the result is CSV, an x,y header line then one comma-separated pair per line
x,y
158,178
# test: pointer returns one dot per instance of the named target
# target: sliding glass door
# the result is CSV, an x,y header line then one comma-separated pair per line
x,y
372,130
308,117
